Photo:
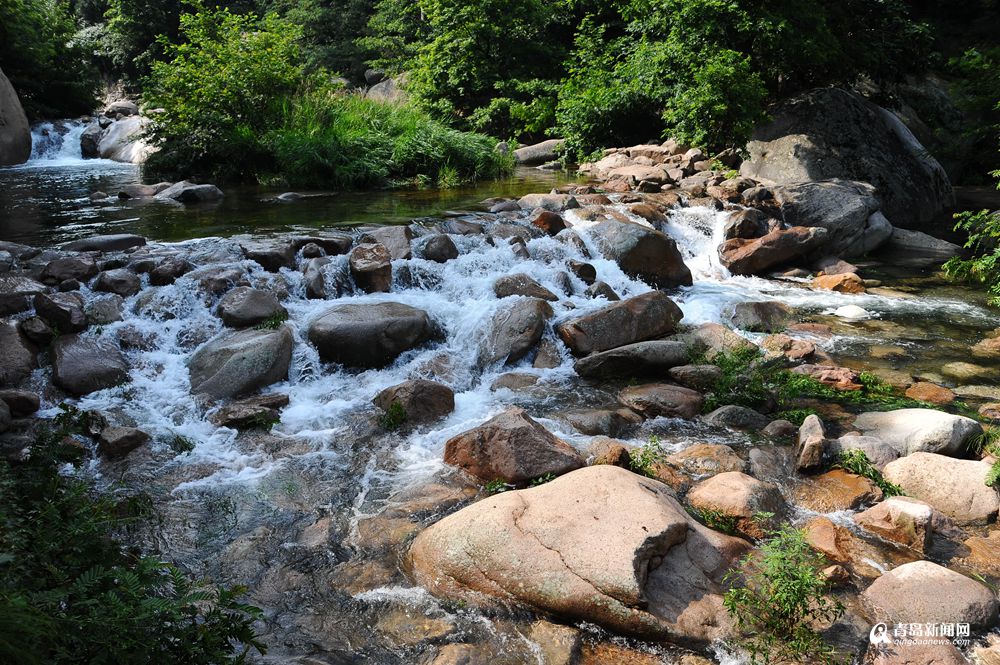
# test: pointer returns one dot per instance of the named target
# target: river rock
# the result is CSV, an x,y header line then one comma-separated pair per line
x,y
422,401
240,362
740,497
514,331
550,222
900,519
168,270
706,459
916,249
396,239
80,268
765,316
780,246
17,356
606,422
810,449
272,255
904,595
21,403
115,242
920,430
104,310
520,284
831,133
187,192
116,442
369,335
15,132
511,447
120,281
16,292
63,311
371,267
654,400
839,378
642,253
712,339
877,451
440,248
637,319
243,307
640,359
937,653
697,377
657,572
123,141
737,417
550,202
925,391
539,153
82,365
835,490
37,331
956,487
841,283
847,210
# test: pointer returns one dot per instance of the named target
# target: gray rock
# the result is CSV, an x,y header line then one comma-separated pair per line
x,y
15,132
17,356
71,267
371,267
116,442
314,279
641,252
104,310
514,331
737,417
916,249
877,451
539,153
240,362
63,311
36,330
396,239
123,141
121,281
920,430
123,107
956,487
550,202
20,402
187,192
272,256
16,292
440,248
764,316
105,243
697,377
521,285
369,335
652,358
90,141
82,365
168,270
422,401
637,319
601,289
243,307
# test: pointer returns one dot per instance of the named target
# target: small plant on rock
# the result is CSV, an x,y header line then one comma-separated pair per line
x,y
394,417
496,486
716,519
272,322
644,459
856,461
541,480
778,594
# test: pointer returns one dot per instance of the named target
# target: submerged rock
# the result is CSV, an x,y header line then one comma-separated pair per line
x,y
657,572
237,363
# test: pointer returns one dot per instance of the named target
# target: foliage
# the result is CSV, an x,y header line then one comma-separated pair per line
x,y
976,91
542,479
44,63
988,443
795,416
496,486
272,322
394,417
983,229
716,519
71,593
643,460
778,594
856,461
332,34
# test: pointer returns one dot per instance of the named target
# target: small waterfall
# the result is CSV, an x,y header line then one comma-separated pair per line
x,y
57,142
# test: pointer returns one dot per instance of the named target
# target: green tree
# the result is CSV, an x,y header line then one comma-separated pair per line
x,y
333,33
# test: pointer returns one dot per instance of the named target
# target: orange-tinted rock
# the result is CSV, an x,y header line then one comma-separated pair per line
x,y
925,391
846,282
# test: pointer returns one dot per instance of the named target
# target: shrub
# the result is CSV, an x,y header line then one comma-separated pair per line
x,y
778,594
983,229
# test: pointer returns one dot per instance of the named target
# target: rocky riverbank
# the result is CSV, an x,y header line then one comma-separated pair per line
x,y
543,430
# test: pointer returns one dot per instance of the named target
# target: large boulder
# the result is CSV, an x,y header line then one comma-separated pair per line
x,y
114,242
15,133
739,497
82,365
642,253
847,210
187,192
17,356
395,238
371,267
15,293
955,487
654,357
758,255
514,331
120,281
916,249
63,311
654,400
924,592
538,153
637,319
762,316
123,141
902,520
244,306
920,430
511,447
656,572
240,362
831,133
369,335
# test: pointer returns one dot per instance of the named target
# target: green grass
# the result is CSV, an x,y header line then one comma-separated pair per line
x,y
716,519
497,486
856,461
394,417
643,460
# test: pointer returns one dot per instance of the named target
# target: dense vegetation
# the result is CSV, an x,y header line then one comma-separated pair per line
x,y
72,592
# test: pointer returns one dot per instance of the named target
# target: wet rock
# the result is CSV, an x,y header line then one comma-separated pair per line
x,y
739,497
601,289
511,447
901,596
637,319
841,283
737,417
955,487
369,335
810,449
440,248
916,249
396,239
550,202
748,223
765,316
409,627
656,574
877,451
168,270
990,411
712,339
706,459
781,246
117,242
835,490
938,653
642,253
791,348
539,153
105,310
662,399
514,331
82,365
514,381
964,372
422,401
72,267
272,256
243,307
37,331
240,362
920,430
852,313
547,356
925,391
371,267
697,377
585,272
987,348
521,285
550,222
839,378
63,311
16,292
780,429
651,358
900,519
187,192
120,281
832,265
559,645
116,442
5,417
604,422
604,450
20,403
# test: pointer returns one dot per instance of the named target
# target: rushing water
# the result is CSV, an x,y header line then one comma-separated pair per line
x,y
304,513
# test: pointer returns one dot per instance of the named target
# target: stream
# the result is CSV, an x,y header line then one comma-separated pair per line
x,y
313,515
